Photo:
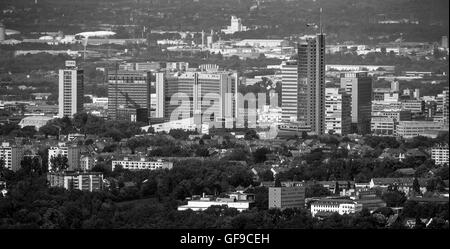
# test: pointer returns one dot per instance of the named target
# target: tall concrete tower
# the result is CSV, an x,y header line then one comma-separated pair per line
x,y
71,90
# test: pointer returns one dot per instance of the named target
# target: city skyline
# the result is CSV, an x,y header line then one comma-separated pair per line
x,y
225,123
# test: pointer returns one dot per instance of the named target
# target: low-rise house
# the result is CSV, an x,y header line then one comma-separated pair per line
x,y
403,184
331,185
390,153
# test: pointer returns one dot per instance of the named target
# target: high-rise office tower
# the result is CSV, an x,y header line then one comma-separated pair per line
x,y
359,86
127,91
337,111
445,107
196,94
71,90
303,99
292,93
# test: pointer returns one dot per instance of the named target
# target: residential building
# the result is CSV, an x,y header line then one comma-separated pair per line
x,y
86,162
340,206
331,185
287,197
440,154
128,90
141,164
72,152
71,180
11,155
359,86
337,111
404,184
71,90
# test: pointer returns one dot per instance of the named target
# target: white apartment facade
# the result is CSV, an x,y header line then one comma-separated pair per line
x,y
141,164
337,111
340,206
11,155
440,154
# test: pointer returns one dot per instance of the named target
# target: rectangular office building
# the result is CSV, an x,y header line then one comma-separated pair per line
x,y
128,90
286,197
359,86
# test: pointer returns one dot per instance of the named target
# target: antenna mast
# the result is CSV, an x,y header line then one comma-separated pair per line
x,y
320,22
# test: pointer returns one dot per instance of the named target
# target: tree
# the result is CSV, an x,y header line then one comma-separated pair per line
x,y
394,198
260,155
267,175
251,134
316,190
277,182
31,165
202,152
416,186
304,134
59,163
336,188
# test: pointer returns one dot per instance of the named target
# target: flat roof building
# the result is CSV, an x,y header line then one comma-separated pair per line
x,y
70,180
337,111
12,155
128,90
340,206
240,201
141,164
440,154
359,86
71,90
287,197
409,129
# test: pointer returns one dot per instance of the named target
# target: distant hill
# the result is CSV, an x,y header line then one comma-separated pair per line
x,y
344,20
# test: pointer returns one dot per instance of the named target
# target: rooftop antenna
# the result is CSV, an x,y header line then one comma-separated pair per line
x,y
85,42
320,22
